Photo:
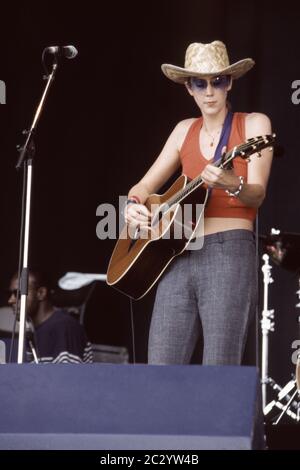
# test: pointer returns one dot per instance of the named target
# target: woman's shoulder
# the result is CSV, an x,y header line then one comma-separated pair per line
x,y
182,128
185,124
257,124
257,118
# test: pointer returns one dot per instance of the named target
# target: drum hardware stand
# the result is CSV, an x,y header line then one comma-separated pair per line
x,y
290,386
267,325
283,392
286,408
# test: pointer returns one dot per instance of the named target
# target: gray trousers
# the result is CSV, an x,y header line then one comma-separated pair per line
x,y
216,286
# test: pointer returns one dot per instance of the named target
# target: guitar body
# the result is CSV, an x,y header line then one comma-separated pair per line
x,y
136,264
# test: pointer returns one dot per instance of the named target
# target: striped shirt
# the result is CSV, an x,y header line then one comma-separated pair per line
x,y
61,339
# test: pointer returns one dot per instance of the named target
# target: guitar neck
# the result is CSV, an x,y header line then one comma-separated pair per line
x,y
244,150
198,181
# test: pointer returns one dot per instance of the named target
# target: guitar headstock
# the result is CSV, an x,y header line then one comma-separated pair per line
x,y
253,146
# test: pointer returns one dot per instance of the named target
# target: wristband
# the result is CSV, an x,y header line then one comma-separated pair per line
x,y
130,201
136,199
239,189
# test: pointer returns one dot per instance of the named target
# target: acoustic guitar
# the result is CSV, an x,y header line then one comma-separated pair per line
x,y
141,256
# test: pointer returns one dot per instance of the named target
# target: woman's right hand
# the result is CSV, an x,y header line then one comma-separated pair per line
x,y
137,215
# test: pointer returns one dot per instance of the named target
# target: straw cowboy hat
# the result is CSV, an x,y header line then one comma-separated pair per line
x,y
205,61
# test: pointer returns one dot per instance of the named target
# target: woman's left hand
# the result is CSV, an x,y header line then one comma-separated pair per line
x,y
216,177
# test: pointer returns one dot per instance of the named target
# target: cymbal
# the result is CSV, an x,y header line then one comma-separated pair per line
x,y
283,248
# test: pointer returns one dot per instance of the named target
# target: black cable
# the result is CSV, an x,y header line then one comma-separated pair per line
x,y
132,331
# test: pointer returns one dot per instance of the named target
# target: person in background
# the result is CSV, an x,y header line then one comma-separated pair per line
x,y
58,337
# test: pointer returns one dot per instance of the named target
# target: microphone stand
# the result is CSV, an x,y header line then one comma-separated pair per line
x,y
27,152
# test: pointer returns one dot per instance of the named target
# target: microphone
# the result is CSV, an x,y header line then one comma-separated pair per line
x,y
66,51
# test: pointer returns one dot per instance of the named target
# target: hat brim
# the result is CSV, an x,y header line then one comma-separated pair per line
x,y
179,74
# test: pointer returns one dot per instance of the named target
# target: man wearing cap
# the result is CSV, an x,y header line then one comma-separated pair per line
x,y
212,289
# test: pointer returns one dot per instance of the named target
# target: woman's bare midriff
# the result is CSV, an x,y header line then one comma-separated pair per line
x,y
221,224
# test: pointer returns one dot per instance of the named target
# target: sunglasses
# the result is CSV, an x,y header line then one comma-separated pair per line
x,y
217,83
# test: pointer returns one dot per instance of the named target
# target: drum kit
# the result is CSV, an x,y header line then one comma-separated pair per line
x,y
283,248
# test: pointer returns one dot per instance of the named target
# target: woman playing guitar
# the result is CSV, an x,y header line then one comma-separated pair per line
x,y
213,288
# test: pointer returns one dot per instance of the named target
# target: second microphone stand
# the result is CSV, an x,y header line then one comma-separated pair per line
x,y
267,325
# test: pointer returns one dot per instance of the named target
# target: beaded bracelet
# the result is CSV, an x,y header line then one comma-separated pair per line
x,y
239,189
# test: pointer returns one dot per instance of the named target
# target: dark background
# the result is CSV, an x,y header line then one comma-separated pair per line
x,y
108,114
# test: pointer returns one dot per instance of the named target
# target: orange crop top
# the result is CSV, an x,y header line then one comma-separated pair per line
x,y
220,204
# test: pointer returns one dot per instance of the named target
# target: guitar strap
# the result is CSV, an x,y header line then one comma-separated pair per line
x,y
224,136
223,140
